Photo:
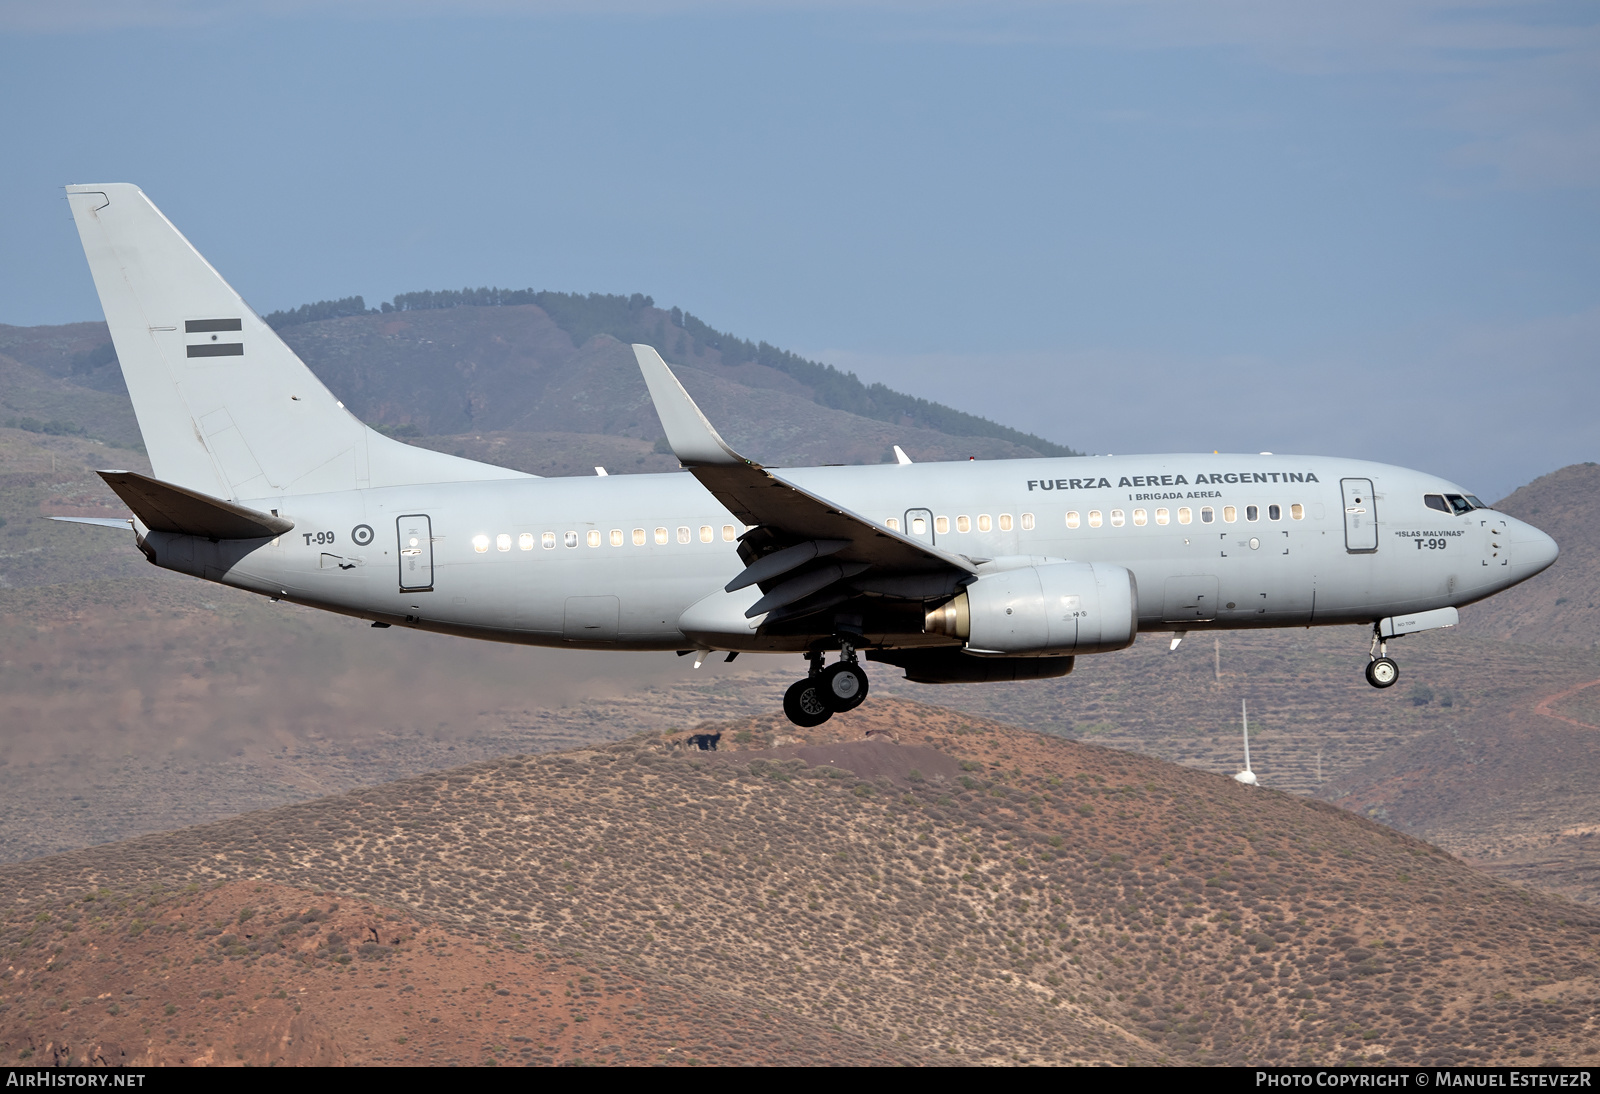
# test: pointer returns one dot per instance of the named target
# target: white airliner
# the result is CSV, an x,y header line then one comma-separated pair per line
x,y
954,572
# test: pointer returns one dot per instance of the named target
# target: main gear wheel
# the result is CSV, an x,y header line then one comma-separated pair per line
x,y
805,703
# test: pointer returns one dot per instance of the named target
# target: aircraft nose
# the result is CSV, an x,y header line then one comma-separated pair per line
x,y
1534,549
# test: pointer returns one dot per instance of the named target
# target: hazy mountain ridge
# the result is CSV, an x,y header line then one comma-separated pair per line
x,y
444,377
682,338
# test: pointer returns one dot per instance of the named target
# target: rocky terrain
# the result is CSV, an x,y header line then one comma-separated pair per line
x,y
905,884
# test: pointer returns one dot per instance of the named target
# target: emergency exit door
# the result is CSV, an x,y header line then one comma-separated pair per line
x,y
1360,515
416,553
919,524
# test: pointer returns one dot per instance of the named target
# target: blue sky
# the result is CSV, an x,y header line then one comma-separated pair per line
x,y
1362,229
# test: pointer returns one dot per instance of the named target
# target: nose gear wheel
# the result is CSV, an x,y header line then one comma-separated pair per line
x,y
1382,672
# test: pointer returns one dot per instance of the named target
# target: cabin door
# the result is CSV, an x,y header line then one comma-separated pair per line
x,y
416,553
1360,515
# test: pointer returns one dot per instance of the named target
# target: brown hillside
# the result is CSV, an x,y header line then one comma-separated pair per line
x,y
1561,605
260,975
1052,902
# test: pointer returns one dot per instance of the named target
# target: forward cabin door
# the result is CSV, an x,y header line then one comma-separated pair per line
x,y
416,553
1360,515
919,525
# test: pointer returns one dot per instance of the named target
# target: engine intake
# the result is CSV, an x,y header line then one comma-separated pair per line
x,y
1044,610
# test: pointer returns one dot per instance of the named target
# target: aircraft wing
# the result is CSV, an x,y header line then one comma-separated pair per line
x,y
803,542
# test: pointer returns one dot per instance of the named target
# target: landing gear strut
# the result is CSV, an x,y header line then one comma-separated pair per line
x,y
826,691
1382,672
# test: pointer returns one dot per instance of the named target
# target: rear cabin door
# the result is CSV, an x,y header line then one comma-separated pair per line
x,y
416,553
1360,515
919,524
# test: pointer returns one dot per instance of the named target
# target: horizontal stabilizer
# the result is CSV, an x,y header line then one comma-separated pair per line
x,y
99,522
164,507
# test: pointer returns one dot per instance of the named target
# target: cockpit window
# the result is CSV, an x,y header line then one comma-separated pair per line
x,y
1458,504
1436,501
1476,504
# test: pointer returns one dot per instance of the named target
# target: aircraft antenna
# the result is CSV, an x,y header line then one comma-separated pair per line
x,y
1246,776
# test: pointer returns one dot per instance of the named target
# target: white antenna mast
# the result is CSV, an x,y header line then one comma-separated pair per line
x,y
1246,776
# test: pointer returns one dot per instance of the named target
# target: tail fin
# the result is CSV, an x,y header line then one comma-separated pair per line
x,y
224,406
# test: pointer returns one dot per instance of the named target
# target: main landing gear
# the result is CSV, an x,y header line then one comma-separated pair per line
x,y
1382,672
826,691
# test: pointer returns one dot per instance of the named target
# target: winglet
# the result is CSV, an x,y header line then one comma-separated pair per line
x,y
693,439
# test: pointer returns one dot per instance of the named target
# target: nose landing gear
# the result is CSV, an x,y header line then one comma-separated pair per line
x,y
1382,672
827,691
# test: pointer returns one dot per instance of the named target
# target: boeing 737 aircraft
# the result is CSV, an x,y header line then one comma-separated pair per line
x,y
953,572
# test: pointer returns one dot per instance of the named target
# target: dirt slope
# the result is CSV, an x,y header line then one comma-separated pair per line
x,y
1052,902
258,975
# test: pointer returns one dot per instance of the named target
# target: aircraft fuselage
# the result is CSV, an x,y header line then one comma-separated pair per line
x,y
1214,542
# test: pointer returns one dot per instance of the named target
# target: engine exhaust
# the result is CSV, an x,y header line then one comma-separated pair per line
x,y
952,619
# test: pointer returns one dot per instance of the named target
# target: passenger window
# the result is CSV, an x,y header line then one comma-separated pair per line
x,y
1229,514
963,524
983,522
661,536
1072,518
570,539
1117,519
893,523
548,541
1274,512
1207,515
1297,511
1094,518
1027,522
1185,515
616,537
480,544
594,537
729,533
706,533
1251,512
941,525
683,535
502,542
1005,522
525,541
1163,517
1139,517
1436,501
638,537
919,526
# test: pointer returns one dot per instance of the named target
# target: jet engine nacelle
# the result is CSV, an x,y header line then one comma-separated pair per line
x,y
1044,609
